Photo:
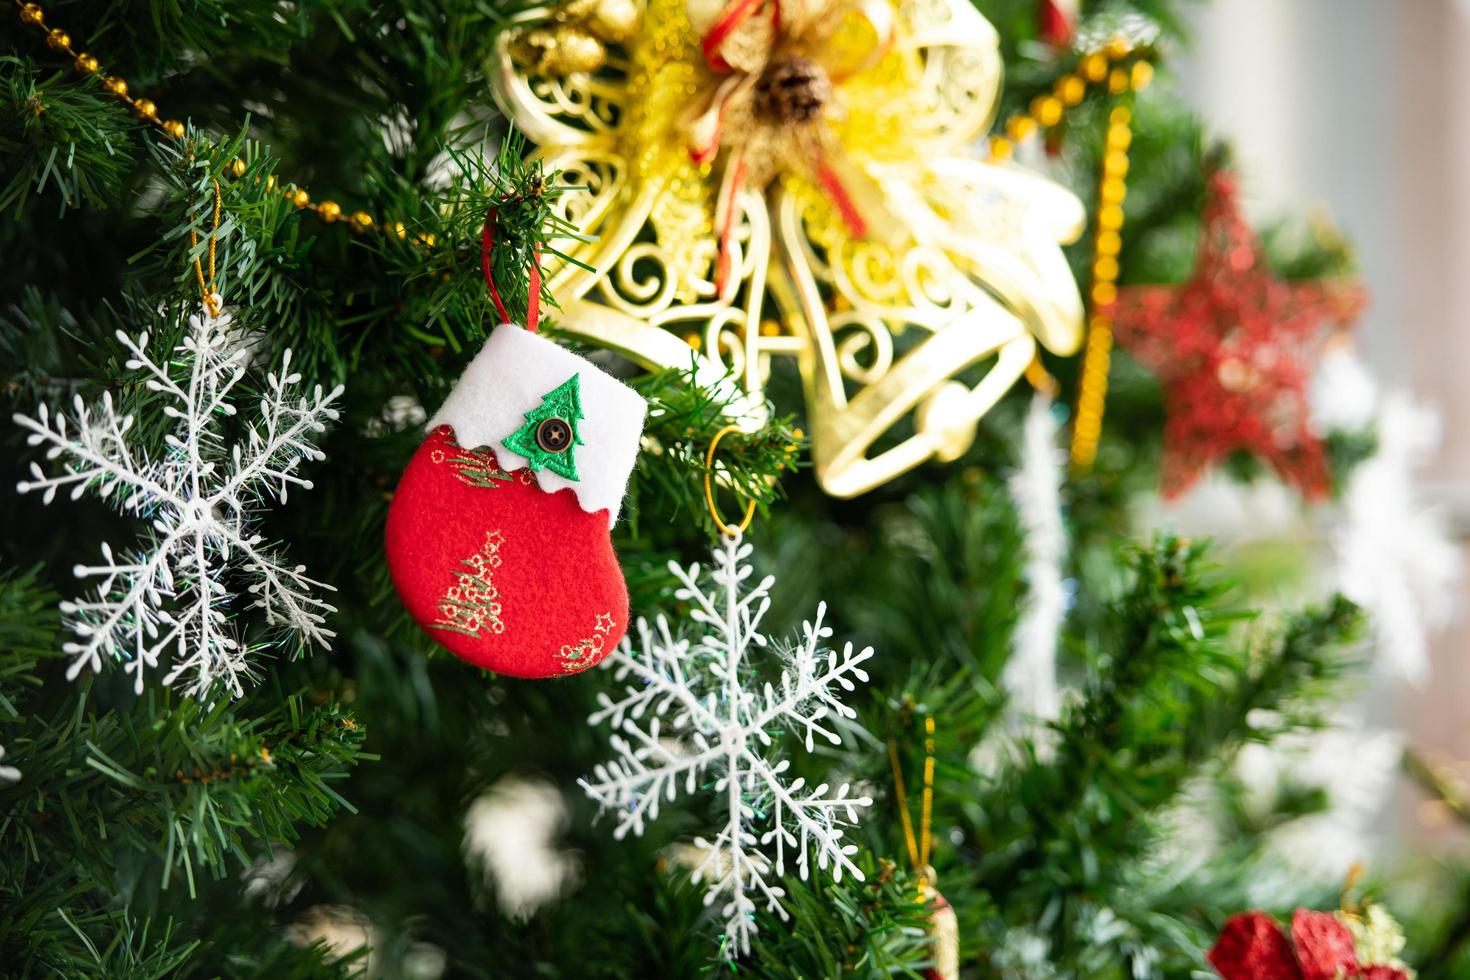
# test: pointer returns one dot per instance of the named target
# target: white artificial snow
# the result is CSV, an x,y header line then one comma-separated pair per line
x,y
695,709
1031,672
1354,766
198,500
1343,395
271,878
510,833
1227,511
510,376
8,774
1396,557
341,931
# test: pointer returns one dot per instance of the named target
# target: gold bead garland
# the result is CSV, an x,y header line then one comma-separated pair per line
x,y
32,15
1046,112
1107,243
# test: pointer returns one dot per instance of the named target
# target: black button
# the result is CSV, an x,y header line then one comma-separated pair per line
x,y
554,436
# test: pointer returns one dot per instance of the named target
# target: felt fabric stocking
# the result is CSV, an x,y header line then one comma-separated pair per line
x,y
498,535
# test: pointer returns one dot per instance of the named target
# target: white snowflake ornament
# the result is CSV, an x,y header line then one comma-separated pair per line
x,y
697,709
169,595
8,774
1396,555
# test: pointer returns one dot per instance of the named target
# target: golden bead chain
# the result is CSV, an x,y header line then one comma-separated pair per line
x,y
1046,112
58,39
1107,243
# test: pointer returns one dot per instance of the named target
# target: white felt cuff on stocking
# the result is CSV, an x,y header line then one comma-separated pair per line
x,y
510,376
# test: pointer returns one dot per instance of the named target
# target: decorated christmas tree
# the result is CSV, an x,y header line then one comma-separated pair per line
x,y
734,538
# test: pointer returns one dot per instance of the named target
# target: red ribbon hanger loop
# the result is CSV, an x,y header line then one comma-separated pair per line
x,y
533,292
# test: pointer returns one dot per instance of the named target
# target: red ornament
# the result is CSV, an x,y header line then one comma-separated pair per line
x,y
944,932
498,535
1252,946
1235,348
1056,20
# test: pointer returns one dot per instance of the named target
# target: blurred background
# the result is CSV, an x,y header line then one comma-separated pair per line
x,y
1359,105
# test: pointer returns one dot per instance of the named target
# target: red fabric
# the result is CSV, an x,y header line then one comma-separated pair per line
x,y
945,932
1323,945
562,602
1053,23
1234,349
1253,947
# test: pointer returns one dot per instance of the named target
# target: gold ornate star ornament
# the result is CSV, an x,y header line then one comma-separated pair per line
x,y
810,163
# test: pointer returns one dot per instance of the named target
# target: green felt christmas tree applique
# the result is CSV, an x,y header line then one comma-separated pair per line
x,y
549,437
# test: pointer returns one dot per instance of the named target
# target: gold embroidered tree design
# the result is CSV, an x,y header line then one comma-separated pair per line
x,y
473,603
476,467
578,656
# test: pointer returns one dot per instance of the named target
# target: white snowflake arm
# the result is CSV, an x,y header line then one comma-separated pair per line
x,y
705,717
807,694
127,612
818,823
284,592
281,439
96,455
733,866
646,772
8,774
205,651
736,626
661,680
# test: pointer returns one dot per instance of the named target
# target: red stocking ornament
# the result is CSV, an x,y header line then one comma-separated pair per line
x,y
944,930
498,535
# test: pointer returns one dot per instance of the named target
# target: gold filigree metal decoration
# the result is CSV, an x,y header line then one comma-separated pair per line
x,y
908,321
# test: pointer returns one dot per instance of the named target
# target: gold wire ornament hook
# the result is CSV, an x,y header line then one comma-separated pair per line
x,y
919,845
709,492
206,286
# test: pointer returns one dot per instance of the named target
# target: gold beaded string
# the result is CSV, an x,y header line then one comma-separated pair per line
x,y
206,287
57,39
1093,390
918,845
1045,113
1041,379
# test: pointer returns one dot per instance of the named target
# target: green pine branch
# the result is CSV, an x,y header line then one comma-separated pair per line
x,y
1176,683
173,778
871,928
684,417
438,261
61,137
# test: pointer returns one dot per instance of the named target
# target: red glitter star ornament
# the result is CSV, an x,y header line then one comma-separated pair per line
x,y
1235,348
